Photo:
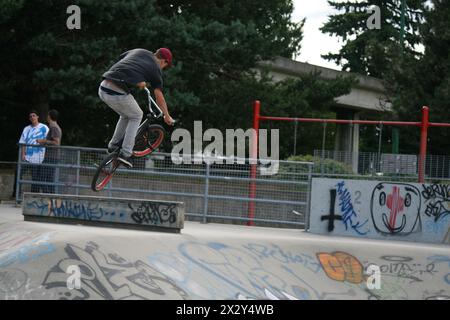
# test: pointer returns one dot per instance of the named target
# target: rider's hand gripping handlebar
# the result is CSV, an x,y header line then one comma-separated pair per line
x,y
152,101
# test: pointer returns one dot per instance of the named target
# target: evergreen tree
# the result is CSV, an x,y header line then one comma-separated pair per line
x,y
425,80
216,46
373,51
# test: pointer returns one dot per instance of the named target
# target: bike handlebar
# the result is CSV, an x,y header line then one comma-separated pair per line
x,y
150,101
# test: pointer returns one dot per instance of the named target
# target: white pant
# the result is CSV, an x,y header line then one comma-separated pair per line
x,y
128,124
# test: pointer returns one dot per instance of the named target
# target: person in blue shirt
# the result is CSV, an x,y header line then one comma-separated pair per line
x,y
31,154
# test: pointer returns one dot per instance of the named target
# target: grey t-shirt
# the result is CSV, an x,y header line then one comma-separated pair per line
x,y
54,133
136,66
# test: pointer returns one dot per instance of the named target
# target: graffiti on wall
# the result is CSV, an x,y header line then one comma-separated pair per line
x,y
437,198
154,213
72,209
23,248
341,266
332,216
349,217
406,211
109,276
216,270
441,259
12,238
395,208
406,267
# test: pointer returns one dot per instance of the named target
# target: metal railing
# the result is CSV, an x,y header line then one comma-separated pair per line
x,y
212,192
385,166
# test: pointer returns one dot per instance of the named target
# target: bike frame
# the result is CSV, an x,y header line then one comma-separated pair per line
x,y
150,101
152,112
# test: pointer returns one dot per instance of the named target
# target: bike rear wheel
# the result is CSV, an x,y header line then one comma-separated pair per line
x,y
148,139
105,172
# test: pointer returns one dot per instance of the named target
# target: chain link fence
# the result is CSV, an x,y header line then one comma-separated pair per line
x,y
212,192
380,166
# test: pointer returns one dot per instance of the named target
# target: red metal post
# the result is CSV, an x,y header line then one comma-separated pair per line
x,y
339,121
423,143
254,157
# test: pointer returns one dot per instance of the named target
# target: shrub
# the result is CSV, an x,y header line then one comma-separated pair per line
x,y
329,165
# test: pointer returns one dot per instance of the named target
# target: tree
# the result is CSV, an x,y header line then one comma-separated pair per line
x,y
215,46
373,51
47,65
425,80
378,52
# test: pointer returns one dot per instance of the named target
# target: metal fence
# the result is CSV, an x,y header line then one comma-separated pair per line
x,y
211,192
386,166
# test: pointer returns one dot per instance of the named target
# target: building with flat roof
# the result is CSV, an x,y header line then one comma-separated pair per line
x,y
369,94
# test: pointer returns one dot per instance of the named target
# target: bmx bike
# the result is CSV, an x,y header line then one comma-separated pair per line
x,y
148,138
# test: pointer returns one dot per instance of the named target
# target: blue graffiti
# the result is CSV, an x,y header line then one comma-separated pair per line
x,y
223,265
29,252
69,209
445,259
42,206
437,228
204,265
276,253
348,212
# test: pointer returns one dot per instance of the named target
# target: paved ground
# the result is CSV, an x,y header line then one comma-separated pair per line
x,y
209,261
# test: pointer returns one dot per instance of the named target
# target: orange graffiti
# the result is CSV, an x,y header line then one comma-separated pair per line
x,y
341,266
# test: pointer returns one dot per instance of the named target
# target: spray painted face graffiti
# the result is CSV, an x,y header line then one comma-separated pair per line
x,y
395,208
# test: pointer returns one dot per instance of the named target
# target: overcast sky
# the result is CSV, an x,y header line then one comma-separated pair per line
x,y
315,42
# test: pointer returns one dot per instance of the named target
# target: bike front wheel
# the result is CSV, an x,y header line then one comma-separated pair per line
x,y
105,172
148,139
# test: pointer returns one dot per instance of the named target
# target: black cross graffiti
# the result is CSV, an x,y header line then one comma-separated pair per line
x,y
332,216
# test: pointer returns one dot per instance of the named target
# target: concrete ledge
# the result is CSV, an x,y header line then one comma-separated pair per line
x,y
147,215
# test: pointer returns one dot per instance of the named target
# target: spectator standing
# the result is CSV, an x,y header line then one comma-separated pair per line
x,y
30,154
52,154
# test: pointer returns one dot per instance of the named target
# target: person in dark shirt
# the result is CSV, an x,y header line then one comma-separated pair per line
x,y
51,158
136,68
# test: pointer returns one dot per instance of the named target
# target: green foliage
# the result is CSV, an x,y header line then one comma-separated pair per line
x,y
215,45
327,165
415,72
373,52
306,97
425,80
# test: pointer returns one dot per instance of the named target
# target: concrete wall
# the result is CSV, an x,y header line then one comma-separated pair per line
x,y
111,211
6,184
214,262
381,210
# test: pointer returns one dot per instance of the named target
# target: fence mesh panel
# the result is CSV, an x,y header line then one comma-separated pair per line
x,y
212,192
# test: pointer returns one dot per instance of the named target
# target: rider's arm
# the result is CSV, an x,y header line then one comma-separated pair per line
x,y
162,104
55,141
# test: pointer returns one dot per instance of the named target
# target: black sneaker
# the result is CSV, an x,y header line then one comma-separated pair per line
x,y
112,149
126,161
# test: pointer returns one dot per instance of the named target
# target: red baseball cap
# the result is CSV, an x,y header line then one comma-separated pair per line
x,y
166,55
